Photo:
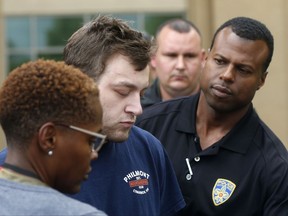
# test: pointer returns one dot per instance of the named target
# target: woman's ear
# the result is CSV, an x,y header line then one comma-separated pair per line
x,y
47,138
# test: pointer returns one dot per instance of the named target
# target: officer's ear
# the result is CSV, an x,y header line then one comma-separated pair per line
x,y
262,80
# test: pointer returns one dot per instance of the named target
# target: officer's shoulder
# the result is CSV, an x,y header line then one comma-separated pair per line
x,y
165,107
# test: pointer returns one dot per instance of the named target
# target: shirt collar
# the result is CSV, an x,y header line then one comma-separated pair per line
x,y
187,118
238,139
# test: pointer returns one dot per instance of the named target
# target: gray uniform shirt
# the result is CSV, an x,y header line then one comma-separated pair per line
x,y
25,199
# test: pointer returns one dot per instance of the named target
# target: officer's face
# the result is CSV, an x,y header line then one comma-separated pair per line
x,y
233,71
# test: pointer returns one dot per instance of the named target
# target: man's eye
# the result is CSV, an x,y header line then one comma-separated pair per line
x,y
244,70
123,93
191,55
171,55
219,61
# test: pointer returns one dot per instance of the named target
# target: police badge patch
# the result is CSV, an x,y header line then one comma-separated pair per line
x,y
222,191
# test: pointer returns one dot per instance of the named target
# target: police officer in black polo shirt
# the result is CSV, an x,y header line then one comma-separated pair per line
x,y
227,161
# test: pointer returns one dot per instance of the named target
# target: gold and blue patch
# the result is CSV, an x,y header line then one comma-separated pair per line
x,y
222,191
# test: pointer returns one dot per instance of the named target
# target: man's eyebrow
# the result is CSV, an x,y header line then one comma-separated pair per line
x,y
219,55
129,84
237,64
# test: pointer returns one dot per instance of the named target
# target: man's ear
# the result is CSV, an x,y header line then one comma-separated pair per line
x,y
203,55
47,137
262,80
153,61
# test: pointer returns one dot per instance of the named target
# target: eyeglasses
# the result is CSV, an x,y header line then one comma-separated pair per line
x,y
98,141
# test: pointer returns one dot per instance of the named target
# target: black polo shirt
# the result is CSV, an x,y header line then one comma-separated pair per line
x,y
152,95
245,173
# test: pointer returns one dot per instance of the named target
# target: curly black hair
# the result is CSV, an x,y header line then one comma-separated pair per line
x,y
250,29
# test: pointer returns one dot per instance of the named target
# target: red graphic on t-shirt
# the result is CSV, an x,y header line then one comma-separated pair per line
x,y
138,182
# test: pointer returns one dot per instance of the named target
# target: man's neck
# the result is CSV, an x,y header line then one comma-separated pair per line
x,y
211,125
165,95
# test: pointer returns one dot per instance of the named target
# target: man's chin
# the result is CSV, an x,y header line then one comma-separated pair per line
x,y
118,137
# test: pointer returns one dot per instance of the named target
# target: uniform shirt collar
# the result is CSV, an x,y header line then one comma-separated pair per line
x,y
238,139
241,136
187,118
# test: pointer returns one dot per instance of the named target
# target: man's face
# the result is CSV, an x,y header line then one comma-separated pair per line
x,y
233,71
177,62
120,88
